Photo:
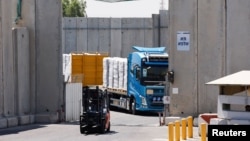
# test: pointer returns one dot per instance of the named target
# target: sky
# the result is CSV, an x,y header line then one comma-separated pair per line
x,y
135,8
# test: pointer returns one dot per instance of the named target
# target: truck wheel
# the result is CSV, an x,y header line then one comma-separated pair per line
x,y
133,107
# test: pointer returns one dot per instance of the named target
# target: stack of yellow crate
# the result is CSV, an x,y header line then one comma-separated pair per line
x,y
87,68
76,68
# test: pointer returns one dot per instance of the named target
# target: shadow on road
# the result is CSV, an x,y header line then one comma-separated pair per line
x,y
18,129
139,113
98,134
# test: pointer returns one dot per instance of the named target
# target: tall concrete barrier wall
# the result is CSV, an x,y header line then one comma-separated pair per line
x,y
237,41
218,46
183,92
49,86
1,68
115,36
20,37
31,83
8,75
211,52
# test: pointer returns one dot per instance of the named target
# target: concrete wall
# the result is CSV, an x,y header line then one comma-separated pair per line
x,y
8,75
183,17
211,34
49,92
115,36
30,65
237,41
218,46
1,65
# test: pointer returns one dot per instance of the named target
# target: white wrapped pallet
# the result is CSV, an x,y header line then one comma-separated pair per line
x,y
105,71
110,73
66,67
121,74
125,74
115,72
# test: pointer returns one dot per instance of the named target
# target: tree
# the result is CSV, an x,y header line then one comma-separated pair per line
x,y
74,8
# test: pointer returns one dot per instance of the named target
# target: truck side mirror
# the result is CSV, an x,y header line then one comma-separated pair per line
x,y
171,76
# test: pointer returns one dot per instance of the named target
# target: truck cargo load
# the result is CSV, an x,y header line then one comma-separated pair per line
x,y
137,83
115,73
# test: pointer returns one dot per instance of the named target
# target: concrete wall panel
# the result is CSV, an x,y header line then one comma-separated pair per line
x,y
82,34
219,46
30,56
9,62
164,20
21,50
1,65
148,32
63,35
156,35
238,23
183,17
127,37
139,34
70,34
211,51
134,37
49,56
28,20
93,31
116,37
8,18
104,35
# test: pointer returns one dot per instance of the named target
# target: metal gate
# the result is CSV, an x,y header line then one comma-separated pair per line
x,y
73,100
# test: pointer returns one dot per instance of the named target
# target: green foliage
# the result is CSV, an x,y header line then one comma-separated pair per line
x,y
74,8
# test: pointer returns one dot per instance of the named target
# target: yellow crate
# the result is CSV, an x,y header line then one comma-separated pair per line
x,y
89,81
89,59
99,68
99,80
76,64
89,69
99,74
100,59
90,66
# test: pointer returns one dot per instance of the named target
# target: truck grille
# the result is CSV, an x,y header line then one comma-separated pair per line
x,y
158,58
156,100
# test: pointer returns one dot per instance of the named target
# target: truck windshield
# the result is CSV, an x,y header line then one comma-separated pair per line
x,y
154,75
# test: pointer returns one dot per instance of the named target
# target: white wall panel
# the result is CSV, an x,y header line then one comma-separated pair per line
x,y
73,97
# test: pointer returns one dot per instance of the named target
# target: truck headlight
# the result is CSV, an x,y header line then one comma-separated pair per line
x,y
159,99
143,100
150,91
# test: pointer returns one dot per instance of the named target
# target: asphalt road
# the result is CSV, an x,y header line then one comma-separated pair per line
x,y
124,127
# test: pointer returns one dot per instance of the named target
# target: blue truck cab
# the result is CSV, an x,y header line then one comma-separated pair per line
x,y
147,69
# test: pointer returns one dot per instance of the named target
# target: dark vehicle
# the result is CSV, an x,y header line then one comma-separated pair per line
x,y
96,115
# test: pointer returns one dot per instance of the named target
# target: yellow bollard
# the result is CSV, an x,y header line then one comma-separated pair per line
x,y
190,126
170,131
183,127
177,130
203,131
